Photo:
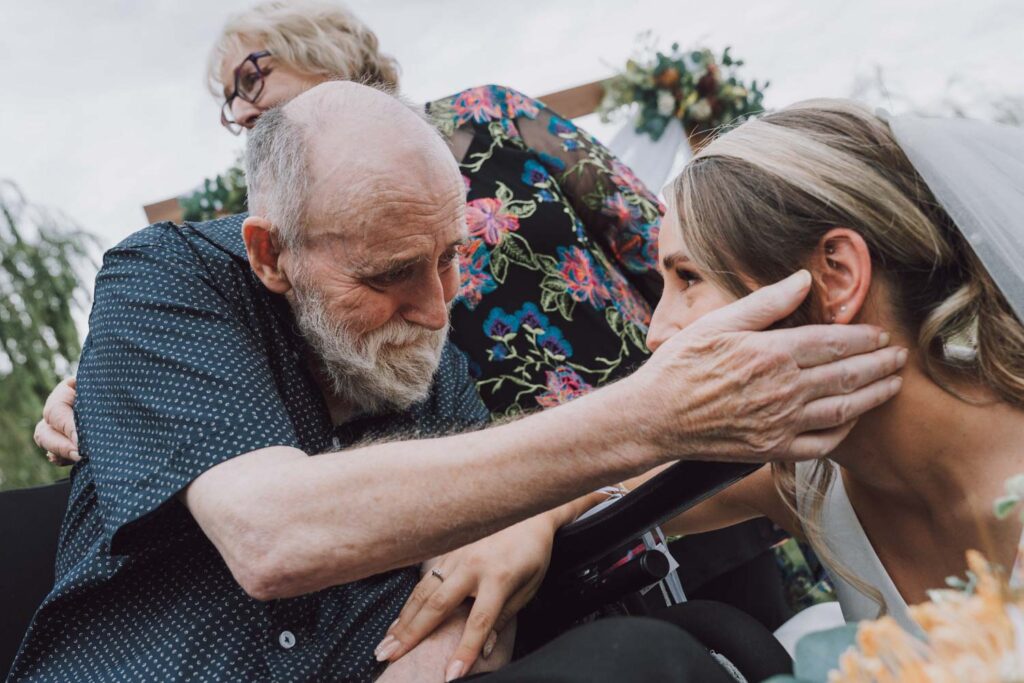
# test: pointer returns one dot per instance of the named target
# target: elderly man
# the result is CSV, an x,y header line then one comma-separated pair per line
x,y
203,542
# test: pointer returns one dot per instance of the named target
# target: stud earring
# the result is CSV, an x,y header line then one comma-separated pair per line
x,y
842,309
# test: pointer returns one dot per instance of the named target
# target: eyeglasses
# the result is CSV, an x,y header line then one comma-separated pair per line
x,y
248,85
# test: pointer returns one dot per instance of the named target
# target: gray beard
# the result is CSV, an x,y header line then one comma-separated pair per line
x,y
390,368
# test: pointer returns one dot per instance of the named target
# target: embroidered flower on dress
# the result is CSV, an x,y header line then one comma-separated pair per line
x,y
624,177
551,161
625,213
498,352
474,276
476,104
637,249
518,104
530,317
500,325
578,270
535,174
628,301
559,126
487,219
555,343
564,384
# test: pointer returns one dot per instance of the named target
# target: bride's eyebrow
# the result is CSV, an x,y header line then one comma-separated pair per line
x,y
670,261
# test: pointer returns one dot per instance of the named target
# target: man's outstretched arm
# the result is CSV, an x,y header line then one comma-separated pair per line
x,y
288,524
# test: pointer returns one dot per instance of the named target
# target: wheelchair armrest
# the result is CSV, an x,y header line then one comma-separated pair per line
x,y
576,584
654,502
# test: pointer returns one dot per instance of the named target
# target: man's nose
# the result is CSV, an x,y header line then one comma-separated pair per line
x,y
245,113
429,310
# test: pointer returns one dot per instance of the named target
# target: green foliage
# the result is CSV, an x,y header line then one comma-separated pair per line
x,y
42,255
1004,505
694,86
221,195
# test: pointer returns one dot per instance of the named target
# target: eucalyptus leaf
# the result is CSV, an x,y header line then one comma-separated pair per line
x,y
818,653
1005,505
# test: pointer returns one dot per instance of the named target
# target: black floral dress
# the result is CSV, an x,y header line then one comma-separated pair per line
x,y
560,277
560,274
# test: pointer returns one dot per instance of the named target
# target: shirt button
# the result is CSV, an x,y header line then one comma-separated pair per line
x,y
287,639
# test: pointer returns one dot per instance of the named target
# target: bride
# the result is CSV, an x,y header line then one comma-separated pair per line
x,y
827,186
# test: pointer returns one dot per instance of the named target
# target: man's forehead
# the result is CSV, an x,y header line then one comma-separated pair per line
x,y
377,171
372,222
366,201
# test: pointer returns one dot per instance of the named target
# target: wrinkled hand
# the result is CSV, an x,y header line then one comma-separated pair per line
x,y
722,390
500,572
56,433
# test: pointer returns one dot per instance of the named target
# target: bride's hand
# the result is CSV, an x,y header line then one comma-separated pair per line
x,y
500,572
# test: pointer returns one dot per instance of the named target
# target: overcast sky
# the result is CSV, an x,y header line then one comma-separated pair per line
x,y
103,106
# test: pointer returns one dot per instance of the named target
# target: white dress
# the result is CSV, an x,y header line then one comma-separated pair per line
x,y
851,547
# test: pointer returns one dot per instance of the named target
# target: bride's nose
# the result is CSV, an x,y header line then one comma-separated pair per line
x,y
660,329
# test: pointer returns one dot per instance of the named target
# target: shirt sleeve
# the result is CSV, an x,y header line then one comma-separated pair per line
x,y
171,383
616,208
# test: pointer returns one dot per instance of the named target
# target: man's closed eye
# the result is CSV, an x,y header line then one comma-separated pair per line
x,y
391,277
449,257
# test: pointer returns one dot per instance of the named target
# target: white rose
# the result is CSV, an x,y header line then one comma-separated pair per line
x,y
701,110
666,103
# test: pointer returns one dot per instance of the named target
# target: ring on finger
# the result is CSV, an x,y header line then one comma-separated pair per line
x,y
437,573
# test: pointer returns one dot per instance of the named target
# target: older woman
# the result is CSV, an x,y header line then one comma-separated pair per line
x,y
560,270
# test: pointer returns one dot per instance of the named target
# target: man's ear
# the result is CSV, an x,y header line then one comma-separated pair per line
x,y
841,266
264,250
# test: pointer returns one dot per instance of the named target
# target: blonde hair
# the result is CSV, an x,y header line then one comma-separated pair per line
x,y
318,38
757,200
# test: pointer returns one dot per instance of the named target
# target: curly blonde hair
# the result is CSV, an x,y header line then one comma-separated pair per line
x,y
318,38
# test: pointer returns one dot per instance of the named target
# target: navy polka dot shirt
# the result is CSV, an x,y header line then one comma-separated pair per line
x,y
190,361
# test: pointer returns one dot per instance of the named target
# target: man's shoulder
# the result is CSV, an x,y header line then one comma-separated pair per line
x,y
220,238
188,261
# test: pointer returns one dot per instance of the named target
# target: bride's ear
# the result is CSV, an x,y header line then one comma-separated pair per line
x,y
841,266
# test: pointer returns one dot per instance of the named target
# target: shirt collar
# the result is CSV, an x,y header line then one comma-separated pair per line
x,y
225,233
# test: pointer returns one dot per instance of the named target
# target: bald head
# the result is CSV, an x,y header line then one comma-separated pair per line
x,y
337,146
357,213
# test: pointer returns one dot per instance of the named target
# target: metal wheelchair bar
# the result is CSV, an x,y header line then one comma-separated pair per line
x,y
675,490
